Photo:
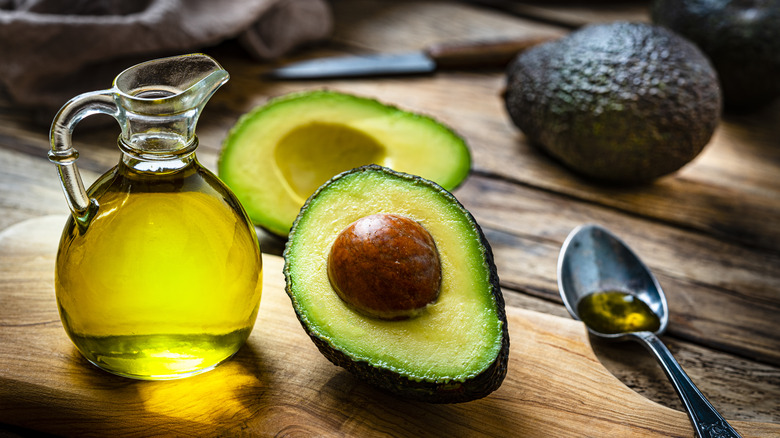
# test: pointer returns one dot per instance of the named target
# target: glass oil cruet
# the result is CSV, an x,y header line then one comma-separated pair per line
x,y
158,273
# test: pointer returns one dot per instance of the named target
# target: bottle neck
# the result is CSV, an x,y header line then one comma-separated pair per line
x,y
151,156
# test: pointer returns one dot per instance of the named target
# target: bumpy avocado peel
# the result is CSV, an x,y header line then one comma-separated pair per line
x,y
620,102
431,391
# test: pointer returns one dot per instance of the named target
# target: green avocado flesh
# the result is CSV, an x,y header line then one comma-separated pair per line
x,y
277,155
457,349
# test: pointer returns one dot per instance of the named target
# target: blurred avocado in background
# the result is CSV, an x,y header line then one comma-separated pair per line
x,y
742,40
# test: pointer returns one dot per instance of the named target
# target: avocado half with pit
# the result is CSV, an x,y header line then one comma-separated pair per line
x,y
355,253
277,155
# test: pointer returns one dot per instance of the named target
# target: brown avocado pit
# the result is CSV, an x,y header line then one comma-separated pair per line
x,y
385,266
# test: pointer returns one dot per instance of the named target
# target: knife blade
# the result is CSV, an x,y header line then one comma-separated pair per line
x,y
444,56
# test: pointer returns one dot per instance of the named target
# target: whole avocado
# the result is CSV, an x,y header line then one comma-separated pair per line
x,y
619,102
741,38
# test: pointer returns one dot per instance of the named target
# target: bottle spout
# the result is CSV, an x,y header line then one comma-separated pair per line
x,y
171,85
163,98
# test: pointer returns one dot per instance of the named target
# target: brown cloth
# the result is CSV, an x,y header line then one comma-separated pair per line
x,y
52,50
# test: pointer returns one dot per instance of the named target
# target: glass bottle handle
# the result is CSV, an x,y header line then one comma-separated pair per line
x,y
64,155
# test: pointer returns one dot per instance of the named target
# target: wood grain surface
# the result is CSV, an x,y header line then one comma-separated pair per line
x,y
280,384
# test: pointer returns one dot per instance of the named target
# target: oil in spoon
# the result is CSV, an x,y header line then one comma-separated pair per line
x,y
614,312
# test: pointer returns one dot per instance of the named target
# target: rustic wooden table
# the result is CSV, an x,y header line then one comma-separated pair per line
x,y
710,232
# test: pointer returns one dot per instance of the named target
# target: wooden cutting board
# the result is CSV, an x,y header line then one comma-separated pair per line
x,y
279,384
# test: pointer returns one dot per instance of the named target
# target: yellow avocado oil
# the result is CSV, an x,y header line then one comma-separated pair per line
x,y
614,312
164,281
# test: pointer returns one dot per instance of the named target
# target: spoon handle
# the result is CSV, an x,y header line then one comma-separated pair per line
x,y
707,422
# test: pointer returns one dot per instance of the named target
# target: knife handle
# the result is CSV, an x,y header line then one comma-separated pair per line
x,y
481,54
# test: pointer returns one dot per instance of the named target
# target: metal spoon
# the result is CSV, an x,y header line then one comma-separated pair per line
x,y
594,260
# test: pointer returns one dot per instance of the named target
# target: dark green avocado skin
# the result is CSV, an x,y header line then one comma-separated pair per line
x,y
620,102
741,38
431,392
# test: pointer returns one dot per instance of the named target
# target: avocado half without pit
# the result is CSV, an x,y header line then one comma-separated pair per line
x,y
278,154
393,279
